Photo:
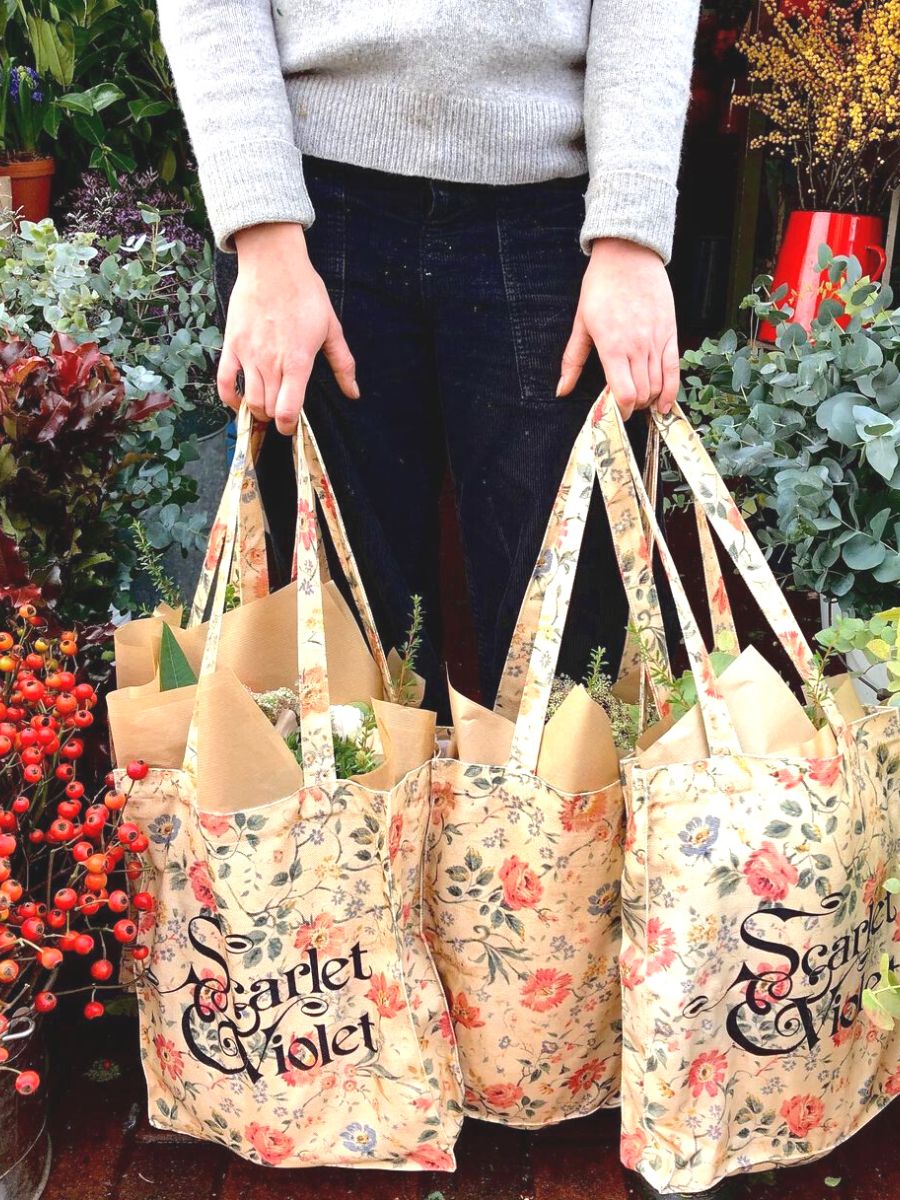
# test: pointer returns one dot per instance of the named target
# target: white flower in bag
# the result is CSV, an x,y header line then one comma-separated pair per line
x,y
347,722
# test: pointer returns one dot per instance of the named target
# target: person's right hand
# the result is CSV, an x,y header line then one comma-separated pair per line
x,y
279,317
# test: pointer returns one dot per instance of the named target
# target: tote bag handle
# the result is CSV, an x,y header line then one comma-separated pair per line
x,y
312,670
618,471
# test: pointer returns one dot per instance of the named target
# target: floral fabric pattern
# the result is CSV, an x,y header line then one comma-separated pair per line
x,y
524,925
753,915
289,1006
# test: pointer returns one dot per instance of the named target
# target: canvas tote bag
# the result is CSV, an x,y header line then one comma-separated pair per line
x,y
289,1008
524,863
753,912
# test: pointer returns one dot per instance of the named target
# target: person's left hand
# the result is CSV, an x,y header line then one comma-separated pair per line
x,y
627,311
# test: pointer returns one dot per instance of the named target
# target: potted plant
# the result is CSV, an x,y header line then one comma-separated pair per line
x,y
61,909
29,170
808,431
826,78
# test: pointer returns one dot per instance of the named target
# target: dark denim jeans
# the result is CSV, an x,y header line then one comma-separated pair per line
x,y
457,301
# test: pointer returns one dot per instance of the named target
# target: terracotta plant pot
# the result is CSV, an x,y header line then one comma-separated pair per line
x,y
30,183
798,258
24,1141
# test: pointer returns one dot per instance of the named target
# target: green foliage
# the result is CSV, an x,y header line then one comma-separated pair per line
x,y
174,669
808,432
352,756
406,688
69,484
624,718
150,305
111,103
149,561
877,639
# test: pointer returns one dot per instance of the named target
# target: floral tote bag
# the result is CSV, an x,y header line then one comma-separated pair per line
x,y
289,1006
523,879
753,912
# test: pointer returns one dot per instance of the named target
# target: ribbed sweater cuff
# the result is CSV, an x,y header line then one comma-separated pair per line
x,y
629,205
252,183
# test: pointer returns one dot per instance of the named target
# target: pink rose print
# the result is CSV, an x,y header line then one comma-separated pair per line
x,y
214,545
395,836
521,886
706,1073
306,525
581,814
631,968
825,771
773,982
769,873
631,1148
319,935
272,1146
385,996
585,1077
660,946
720,597
212,995
465,1014
201,884
547,988
802,1114
788,777
215,823
431,1158
441,796
892,1084
170,1059
502,1095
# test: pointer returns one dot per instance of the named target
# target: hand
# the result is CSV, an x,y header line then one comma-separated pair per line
x,y
627,311
279,317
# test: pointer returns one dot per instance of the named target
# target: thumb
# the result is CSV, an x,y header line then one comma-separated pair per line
x,y
574,356
342,363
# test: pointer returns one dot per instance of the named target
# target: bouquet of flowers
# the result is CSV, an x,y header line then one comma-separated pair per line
x,y
59,847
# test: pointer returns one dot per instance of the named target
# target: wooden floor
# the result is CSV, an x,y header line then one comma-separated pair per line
x,y
104,1149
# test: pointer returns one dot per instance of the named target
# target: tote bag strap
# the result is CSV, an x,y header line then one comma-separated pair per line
x,y
512,681
312,671
725,638
250,569
623,489
708,488
562,549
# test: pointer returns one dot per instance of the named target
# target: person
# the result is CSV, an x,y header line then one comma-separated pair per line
x,y
450,220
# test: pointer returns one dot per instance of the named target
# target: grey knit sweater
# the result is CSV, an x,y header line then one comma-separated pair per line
x,y
476,91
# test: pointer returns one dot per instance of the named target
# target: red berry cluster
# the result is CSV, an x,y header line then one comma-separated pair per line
x,y
58,848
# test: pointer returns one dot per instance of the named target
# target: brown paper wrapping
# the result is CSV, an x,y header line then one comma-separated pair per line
x,y
577,755
259,645
768,718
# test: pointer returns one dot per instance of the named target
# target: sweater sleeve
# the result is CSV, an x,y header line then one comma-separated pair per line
x,y
637,83
225,63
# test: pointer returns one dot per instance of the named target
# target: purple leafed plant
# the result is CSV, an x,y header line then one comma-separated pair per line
x,y
96,207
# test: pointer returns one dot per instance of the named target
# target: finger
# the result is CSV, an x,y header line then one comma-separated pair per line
x,y
671,368
255,393
289,402
226,379
271,381
574,357
340,359
640,373
621,383
655,371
